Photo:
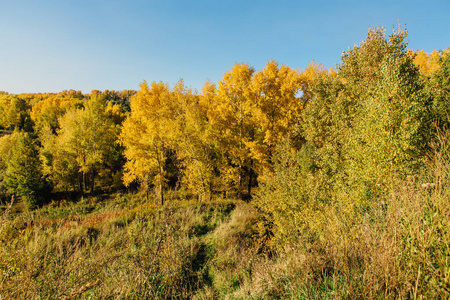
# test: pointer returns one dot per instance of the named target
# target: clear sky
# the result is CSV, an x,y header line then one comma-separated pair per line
x,y
55,45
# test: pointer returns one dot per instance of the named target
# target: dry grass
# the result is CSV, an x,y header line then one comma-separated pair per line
x,y
140,252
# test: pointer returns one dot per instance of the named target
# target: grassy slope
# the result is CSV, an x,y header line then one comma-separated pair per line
x,y
117,248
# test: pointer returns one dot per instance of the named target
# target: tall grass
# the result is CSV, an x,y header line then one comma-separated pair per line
x,y
127,253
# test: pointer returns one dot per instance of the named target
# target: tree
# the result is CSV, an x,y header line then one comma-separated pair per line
x,y
370,121
365,126
427,63
192,141
13,111
49,110
230,117
390,130
86,136
277,109
59,165
23,175
7,143
438,85
144,135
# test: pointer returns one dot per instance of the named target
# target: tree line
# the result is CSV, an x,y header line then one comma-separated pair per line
x,y
343,130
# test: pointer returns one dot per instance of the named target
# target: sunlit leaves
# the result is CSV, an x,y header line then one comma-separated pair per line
x,y
83,141
47,111
13,111
145,135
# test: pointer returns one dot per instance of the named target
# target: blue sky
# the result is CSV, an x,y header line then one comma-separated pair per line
x,y
54,45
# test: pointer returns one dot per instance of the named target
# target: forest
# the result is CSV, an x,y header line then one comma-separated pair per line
x,y
270,184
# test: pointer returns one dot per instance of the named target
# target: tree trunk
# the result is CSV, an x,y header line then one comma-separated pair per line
x,y
84,173
161,195
80,181
250,180
84,180
210,190
240,183
92,183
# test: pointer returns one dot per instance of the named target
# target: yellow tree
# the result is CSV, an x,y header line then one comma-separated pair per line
x,y
7,143
116,113
144,135
13,111
48,110
192,141
277,109
231,117
427,63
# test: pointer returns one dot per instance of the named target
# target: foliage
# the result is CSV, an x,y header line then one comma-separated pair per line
x,y
13,111
81,146
439,89
230,115
372,119
49,110
23,176
193,144
144,135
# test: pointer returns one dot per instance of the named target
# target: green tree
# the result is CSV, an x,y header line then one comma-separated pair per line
x,y
390,128
86,137
370,121
7,143
438,85
23,175
59,165
366,126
